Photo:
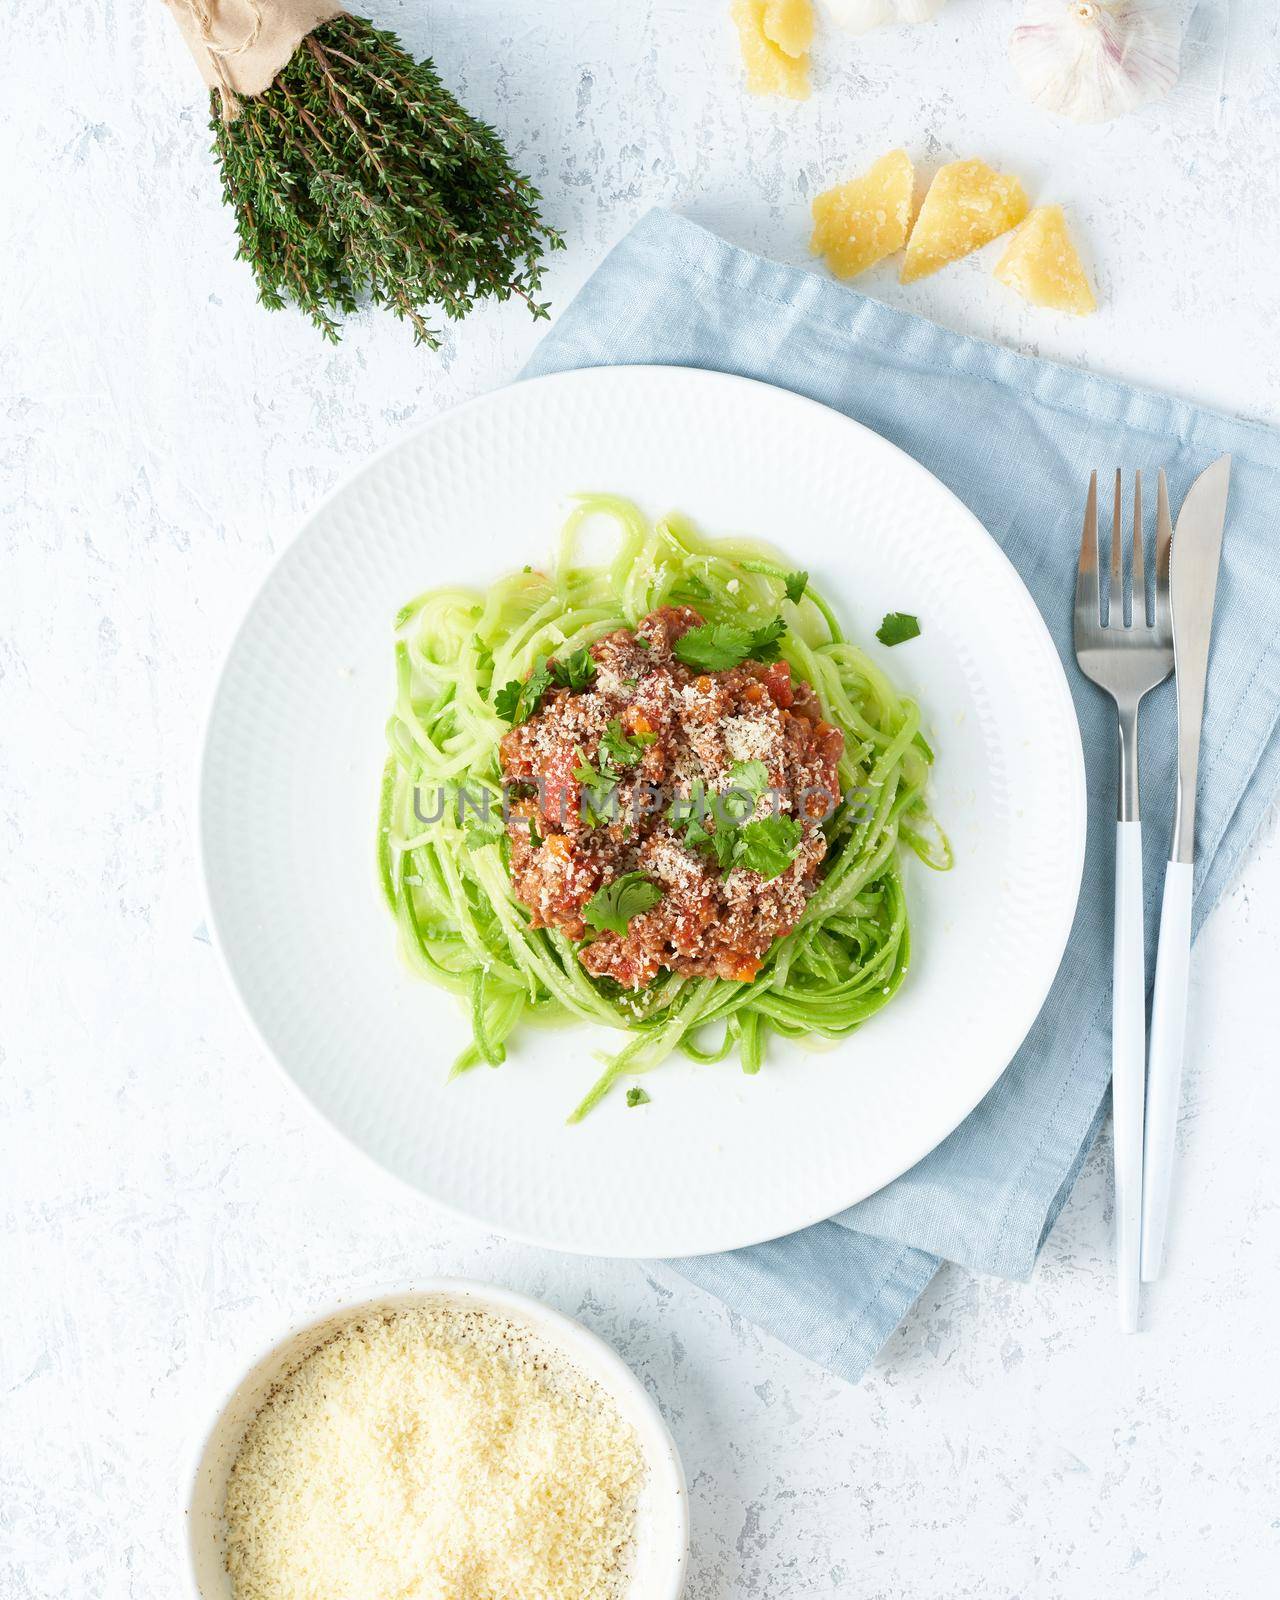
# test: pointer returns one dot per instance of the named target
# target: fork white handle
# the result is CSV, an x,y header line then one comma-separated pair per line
x,y
1128,1066
1164,1076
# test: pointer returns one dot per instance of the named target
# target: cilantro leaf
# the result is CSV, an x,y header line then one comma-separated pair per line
x,y
576,670
623,749
714,647
752,777
637,1096
612,906
718,646
748,780
477,837
763,644
517,702
768,846
796,583
898,627
689,816
598,788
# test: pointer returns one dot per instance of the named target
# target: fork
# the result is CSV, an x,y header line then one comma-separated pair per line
x,y
1126,659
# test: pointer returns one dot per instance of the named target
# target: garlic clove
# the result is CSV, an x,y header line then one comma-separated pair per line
x,y
1043,265
860,16
1091,60
968,205
861,222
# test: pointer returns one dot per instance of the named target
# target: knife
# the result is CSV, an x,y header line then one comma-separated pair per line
x,y
1193,580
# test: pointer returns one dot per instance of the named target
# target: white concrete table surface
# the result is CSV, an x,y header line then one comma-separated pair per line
x,y
167,1204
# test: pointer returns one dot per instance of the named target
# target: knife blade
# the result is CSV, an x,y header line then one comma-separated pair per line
x,y
1193,583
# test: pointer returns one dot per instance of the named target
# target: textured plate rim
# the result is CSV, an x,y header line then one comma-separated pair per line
x,y
1053,673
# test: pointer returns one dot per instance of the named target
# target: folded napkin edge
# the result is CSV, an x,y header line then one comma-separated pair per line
x,y
844,310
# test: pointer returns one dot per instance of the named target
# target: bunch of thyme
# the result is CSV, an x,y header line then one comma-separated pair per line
x,y
357,176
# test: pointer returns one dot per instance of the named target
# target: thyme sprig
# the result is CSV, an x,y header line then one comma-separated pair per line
x,y
357,176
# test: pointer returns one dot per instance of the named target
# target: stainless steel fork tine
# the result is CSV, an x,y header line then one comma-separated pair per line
x,y
1088,602
1115,595
1139,605
1164,542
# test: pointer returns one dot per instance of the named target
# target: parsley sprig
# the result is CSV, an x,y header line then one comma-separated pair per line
x,y
623,749
574,671
517,701
718,646
766,845
612,907
898,627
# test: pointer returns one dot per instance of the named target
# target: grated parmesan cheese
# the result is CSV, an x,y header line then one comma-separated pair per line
x,y
441,1453
750,738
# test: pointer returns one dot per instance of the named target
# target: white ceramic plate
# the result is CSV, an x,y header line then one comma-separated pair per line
x,y
662,1517
289,787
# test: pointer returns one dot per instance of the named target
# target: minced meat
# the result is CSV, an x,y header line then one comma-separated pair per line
x,y
686,733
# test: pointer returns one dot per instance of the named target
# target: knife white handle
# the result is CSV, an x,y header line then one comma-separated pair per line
x,y
1164,1077
1128,1066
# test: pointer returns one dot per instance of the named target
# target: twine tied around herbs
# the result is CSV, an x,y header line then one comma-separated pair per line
x,y
201,15
241,46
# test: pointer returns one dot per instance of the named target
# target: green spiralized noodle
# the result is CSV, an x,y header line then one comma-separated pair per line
x,y
459,922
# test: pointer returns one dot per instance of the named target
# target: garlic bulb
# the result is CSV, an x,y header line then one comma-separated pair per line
x,y
1091,60
860,16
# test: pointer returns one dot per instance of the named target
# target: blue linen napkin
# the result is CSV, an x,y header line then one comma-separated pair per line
x,y
1015,438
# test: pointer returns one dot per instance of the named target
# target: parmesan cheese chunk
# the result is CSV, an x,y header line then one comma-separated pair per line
x,y
774,37
968,205
1043,265
442,1453
861,222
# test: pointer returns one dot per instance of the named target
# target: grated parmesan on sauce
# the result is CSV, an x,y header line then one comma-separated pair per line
x,y
441,1453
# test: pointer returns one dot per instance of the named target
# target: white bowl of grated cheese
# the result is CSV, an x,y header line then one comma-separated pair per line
x,y
447,1441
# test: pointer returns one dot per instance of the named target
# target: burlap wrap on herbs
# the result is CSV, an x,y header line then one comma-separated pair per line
x,y
240,45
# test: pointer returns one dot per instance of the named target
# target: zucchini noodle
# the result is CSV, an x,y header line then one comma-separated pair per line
x,y
460,924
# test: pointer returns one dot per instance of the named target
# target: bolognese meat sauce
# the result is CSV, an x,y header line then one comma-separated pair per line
x,y
611,771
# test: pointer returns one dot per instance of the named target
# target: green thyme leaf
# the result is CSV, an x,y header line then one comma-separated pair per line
x,y
612,907
718,646
576,671
898,627
517,701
